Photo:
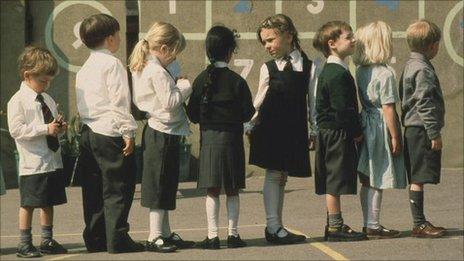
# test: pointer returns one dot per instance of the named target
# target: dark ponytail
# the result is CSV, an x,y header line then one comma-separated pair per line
x,y
220,43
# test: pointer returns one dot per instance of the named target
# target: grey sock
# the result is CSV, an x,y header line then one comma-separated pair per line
x,y
47,232
335,220
25,235
416,202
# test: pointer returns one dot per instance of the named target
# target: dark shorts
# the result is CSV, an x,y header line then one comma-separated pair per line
x,y
42,190
423,165
336,162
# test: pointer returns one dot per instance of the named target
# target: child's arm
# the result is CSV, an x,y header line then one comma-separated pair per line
x,y
193,107
18,128
246,101
312,88
263,86
390,115
170,95
119,96
426,107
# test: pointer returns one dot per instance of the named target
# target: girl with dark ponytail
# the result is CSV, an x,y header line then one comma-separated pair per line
x,y
221,102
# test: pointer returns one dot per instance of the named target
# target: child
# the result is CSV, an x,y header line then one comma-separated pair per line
x,y
339,127
279,128
381,160
157,93
423,115
34,123
221,103
107,140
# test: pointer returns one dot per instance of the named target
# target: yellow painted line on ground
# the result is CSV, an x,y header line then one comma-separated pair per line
x,y
142,231
321,247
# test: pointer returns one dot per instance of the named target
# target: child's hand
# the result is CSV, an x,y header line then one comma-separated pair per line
x,y
396,146
129,148
283,179
359,138
64,127
437,144
53,128
312,142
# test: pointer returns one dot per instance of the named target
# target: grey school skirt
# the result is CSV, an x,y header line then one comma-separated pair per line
x,y
222,160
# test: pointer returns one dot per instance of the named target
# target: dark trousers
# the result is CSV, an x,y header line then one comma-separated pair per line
x,y
108,185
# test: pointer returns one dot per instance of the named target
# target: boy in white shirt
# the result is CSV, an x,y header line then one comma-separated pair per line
x,y
34,123
107,139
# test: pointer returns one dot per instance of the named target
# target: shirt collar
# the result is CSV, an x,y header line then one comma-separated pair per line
x,y
103,50
337,60
295,54
220,64
29,93
416,55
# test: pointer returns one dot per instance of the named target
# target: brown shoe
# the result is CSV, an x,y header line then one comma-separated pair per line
x,y
427,230
381,233
439,228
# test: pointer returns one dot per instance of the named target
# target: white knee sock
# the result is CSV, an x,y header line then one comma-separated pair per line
x,y
166,227
371,200
212,215
363,194
233,210
156,223
271,195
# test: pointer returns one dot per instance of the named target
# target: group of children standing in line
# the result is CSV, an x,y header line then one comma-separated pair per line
x,y
220,101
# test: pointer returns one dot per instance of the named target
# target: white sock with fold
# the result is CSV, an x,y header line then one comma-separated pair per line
x,y
212,215
233,210
271,196
156,223
374,202
363,195
166,227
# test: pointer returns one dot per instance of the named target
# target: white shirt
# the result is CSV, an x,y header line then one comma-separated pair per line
x,y
103,95
263,86
337,60
27,127
156,93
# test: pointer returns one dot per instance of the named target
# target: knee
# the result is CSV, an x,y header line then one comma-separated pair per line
x,y
214,192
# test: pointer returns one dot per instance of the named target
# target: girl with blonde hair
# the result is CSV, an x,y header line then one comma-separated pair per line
x,y
381,161
162,97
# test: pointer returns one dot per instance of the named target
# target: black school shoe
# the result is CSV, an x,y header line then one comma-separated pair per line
x,y
160,245
212,243
176,240
343,233
290,238
235,242
129,247
27,250
51,247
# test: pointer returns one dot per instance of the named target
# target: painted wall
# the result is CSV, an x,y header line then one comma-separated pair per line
x,y
194,18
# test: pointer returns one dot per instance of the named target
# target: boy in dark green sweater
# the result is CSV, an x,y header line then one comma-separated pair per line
x,y
339,127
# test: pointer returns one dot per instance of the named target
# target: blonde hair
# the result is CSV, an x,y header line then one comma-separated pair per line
x,y
373,44
160,33
37,61
421,34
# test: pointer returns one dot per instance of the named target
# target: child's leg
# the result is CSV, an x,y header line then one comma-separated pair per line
x,y
212,211
233,210
46,221
281,196
271,194
416,202
371,200
156,223
25,221
334,210
166,231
